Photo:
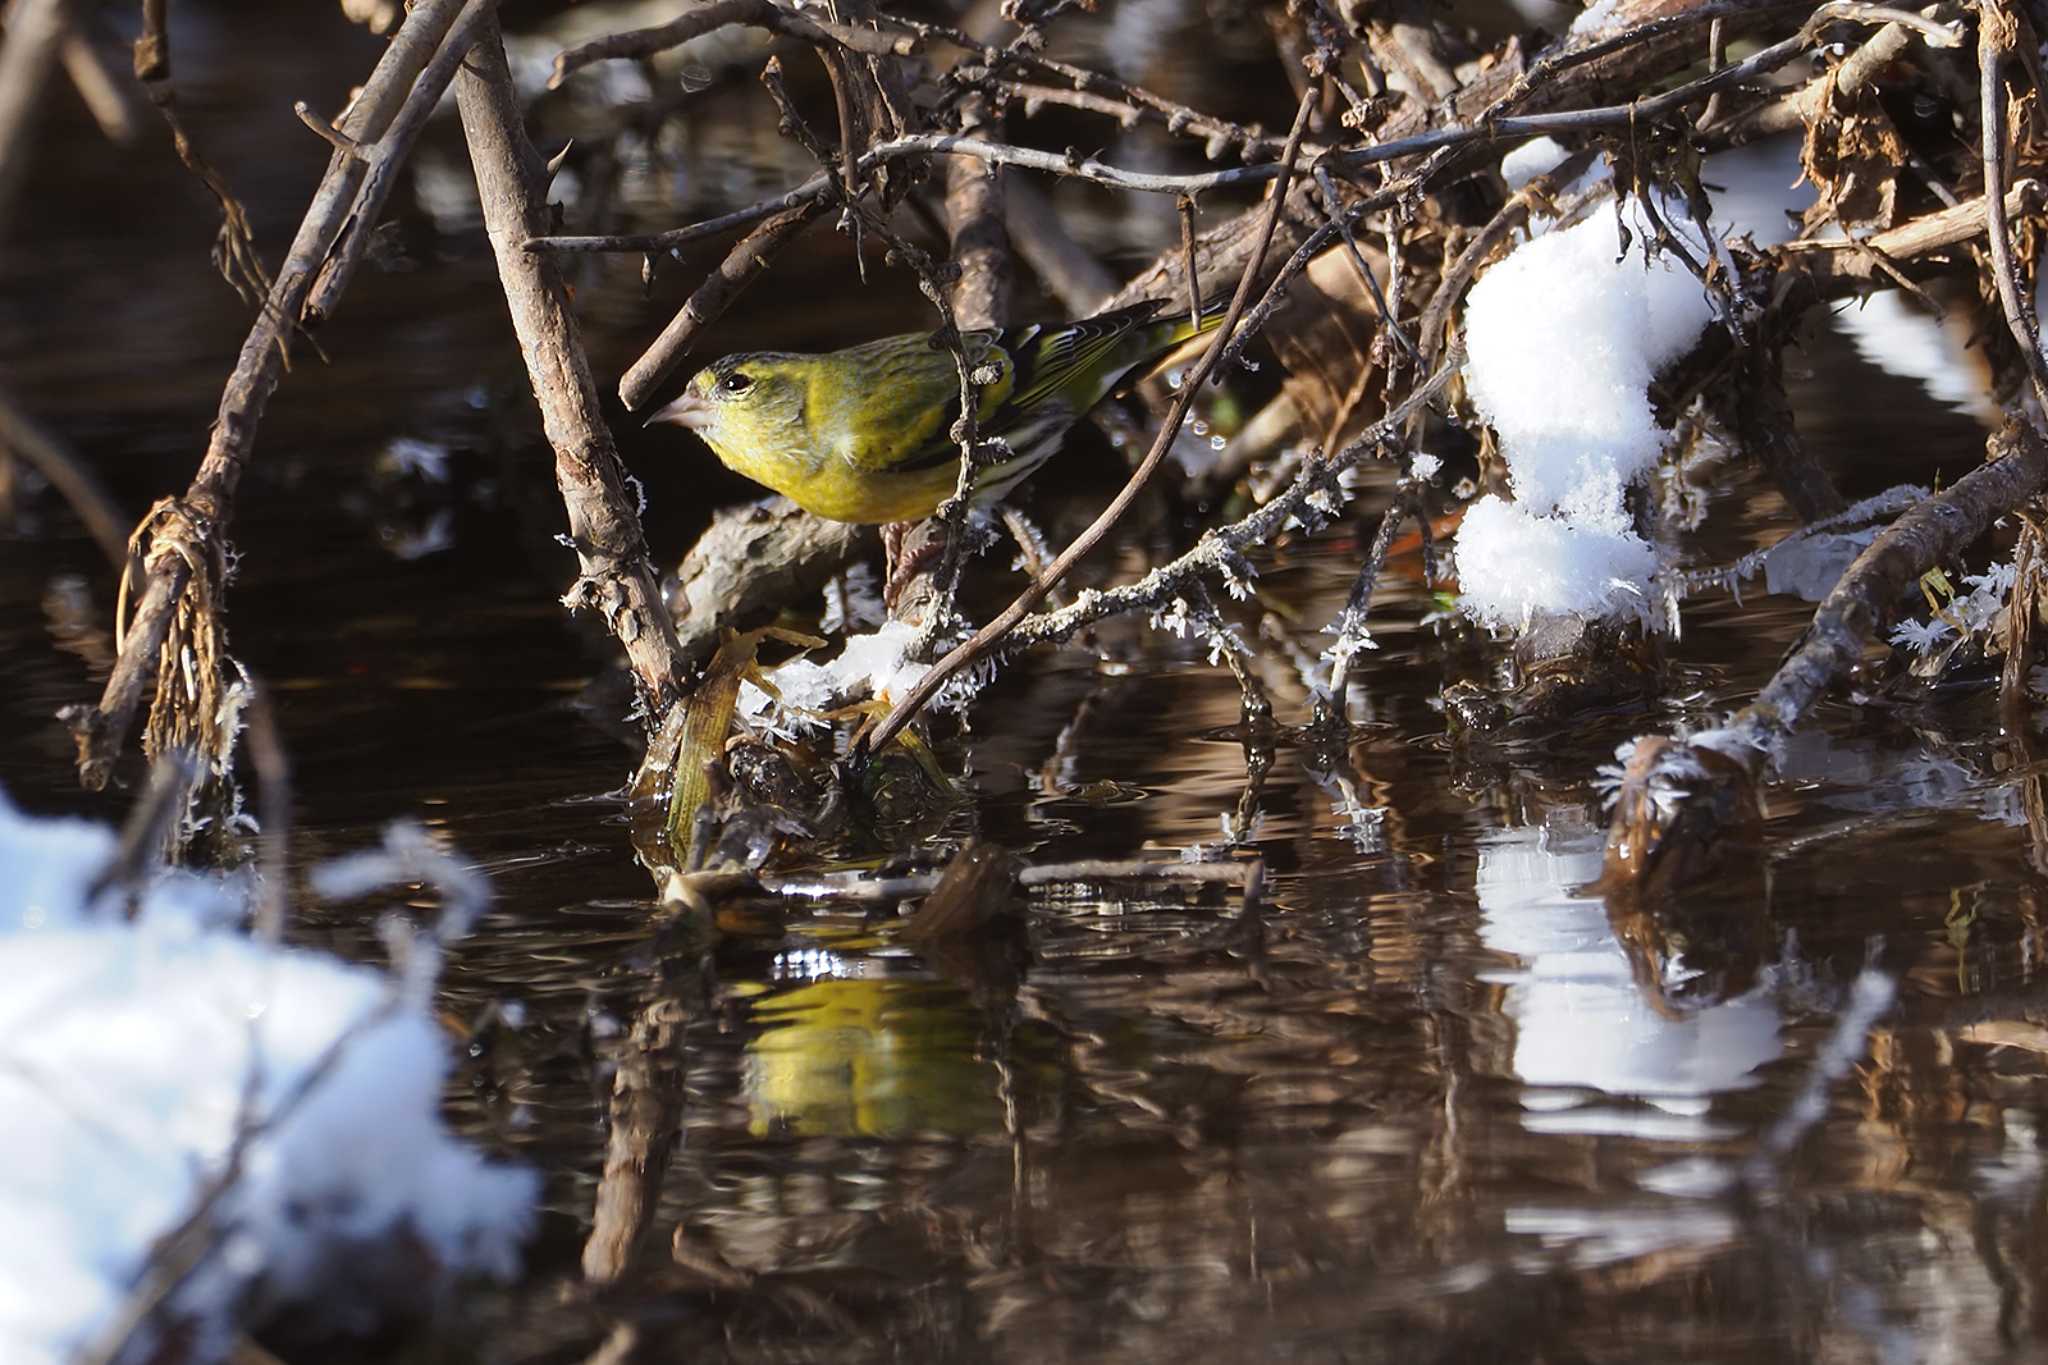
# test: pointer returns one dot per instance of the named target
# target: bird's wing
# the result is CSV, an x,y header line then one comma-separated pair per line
x,y
1071,362
900,418
904,396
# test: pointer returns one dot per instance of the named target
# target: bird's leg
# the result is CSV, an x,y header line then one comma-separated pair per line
x,y
893,534
906,556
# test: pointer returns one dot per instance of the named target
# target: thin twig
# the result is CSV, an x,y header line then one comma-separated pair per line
x,y
1106,94
22,435
1222,551
1498,125
742,265
324,130
1350,625
104,94
1358,262
1997,33
645,42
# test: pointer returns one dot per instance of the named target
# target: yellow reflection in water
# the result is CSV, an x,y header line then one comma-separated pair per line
x,y
869,1058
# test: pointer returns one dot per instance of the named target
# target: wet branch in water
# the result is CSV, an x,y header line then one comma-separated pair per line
x,y
1673,799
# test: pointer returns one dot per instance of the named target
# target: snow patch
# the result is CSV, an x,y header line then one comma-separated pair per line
x,y
1564,337
871,665
134,1050
1512,564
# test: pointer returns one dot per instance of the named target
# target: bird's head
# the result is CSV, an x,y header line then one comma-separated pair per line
x,y
750,402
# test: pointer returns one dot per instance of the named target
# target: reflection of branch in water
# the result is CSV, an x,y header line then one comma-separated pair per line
x,y
863,889
645,1118
21,435
1870,998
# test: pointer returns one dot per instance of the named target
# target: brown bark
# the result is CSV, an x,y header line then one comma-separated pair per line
x,y
1842,269
981,247
616,578
752,560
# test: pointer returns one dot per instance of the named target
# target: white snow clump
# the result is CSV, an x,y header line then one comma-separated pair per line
x,y
871,665
130,1049
1564,337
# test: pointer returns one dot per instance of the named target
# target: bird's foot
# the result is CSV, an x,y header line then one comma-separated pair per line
x,y
905,565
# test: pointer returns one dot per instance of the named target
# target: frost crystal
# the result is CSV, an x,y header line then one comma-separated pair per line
x,y
1173,618
1223,640
1998,579
1237,575
1352,637
1921,636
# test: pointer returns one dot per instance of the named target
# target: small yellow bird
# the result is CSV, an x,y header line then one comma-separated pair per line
x,y
864,434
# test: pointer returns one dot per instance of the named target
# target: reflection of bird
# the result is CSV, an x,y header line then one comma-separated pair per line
x,y
865,434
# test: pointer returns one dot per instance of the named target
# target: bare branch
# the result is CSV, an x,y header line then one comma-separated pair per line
x,y
616,579
717,14
1223,549
1997,34
392,89
719,291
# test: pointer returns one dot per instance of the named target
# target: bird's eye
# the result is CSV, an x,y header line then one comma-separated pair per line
x,y
736,383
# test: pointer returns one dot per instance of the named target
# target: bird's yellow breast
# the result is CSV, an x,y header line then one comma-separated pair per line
x,y
838,491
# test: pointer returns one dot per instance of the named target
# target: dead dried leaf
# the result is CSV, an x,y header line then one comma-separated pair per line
x,y
1852,157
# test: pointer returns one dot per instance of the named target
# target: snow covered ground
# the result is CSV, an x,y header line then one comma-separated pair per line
x,y
133,1052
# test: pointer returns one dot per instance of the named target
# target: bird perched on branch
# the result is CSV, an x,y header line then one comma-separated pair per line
x,y
866,434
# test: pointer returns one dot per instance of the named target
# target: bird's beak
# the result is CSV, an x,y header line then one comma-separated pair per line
x,y
692,410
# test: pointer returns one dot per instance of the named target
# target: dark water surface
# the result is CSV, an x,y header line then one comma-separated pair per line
x,y
1418,1102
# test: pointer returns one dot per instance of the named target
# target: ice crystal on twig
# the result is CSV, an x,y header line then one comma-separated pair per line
x,y
1352,637
1172,618
1921,636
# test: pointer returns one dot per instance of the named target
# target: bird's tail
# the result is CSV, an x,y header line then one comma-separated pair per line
x,y
1163,333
